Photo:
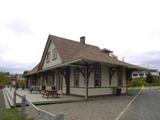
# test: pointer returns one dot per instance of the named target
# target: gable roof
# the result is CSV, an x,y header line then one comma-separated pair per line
x,y
70,50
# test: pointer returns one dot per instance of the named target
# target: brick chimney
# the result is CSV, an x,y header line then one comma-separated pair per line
x,y
82,39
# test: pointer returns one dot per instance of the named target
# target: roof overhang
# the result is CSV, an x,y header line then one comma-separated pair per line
x,y
54,67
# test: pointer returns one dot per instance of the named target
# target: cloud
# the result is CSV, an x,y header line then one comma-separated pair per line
x,y
118,26
150,59
14,67
19,27
152,64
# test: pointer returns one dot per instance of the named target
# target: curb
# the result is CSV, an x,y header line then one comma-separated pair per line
x,y
126,108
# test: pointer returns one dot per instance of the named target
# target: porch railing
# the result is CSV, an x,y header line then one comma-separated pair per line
x,y
44,114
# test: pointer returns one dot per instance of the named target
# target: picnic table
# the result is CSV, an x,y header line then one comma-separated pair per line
x,y
51,93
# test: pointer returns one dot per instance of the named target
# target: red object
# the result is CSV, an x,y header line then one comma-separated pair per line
x,y
50,93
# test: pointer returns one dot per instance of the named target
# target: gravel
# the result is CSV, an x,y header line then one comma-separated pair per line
x,y
101,108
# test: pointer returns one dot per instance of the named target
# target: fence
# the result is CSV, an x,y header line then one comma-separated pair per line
x,y
44,114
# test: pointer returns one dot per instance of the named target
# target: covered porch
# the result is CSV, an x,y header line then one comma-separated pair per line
x,y
36,98
63,77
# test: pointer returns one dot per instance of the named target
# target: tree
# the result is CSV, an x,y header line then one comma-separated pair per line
x,y
149,78
4,78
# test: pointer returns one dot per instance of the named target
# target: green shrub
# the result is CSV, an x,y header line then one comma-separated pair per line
x,y
22,83
149,81
153,80
4,79
149,78
138,82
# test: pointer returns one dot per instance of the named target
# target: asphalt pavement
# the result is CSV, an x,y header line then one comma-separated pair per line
x,y
145,107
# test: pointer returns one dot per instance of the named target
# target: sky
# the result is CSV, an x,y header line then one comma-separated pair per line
x,y
130,28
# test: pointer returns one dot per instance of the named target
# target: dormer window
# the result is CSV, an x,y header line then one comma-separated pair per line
x,y
48,57
54,54
106,51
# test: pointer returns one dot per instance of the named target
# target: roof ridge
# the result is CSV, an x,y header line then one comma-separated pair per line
x,y
86,44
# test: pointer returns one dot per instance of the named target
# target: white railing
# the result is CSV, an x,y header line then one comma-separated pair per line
x,y
44,114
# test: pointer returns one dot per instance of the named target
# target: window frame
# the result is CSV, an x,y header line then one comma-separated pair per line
x,y
48,56
97,75
76,77
54,54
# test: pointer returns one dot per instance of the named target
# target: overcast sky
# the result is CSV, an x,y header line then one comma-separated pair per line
x,y
130,28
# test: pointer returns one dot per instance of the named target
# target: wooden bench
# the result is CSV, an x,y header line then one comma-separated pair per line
x,y
51,93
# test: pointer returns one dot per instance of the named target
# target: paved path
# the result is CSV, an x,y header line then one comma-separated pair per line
x,y
103,108
145,107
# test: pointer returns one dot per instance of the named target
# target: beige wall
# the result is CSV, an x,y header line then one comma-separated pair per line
x,y
52,62
104,83
103,91
104,75
93,91
77,91
81,78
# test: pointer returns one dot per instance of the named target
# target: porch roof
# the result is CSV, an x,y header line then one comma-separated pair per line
x,y
35,69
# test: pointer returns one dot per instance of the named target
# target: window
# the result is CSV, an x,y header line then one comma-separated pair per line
x,y
46,78
54,54
97,75
59,82
48,57
141,74
135,74
53,79
76,77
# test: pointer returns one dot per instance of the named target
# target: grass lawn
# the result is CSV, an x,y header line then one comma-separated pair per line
x,y
1,98
8,114
132,91
11,114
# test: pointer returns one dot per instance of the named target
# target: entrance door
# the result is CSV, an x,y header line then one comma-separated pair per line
x,y
59,82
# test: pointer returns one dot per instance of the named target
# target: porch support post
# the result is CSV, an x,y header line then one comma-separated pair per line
x,y
86,71
67,77
86,83
41,79
86,77
31,80
112,71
